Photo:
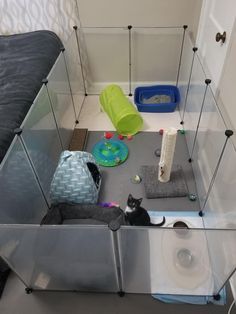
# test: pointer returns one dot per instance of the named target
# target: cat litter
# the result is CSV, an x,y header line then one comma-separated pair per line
x,y
156,99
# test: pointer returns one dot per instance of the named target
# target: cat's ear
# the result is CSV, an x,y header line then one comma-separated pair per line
x,y
140,200
130,197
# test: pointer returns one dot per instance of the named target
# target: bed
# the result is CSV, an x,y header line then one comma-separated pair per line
x,y
25,60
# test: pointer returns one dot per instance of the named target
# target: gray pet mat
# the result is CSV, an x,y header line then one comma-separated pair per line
x,y
176,187
116,181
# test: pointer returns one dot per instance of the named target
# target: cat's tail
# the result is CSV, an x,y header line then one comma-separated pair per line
x,y
160,224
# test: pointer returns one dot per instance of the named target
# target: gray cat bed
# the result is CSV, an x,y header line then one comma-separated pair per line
x,y
176,187
90,214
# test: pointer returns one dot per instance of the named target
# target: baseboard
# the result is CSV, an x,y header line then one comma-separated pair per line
x,y
97,87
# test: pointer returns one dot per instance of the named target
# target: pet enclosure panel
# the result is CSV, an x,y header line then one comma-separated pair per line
x,y
222,255
219,211
64,257
17,248
61,99
170,261
21,197
105,57
194,102
185,71
74,70
155,55
209,144
204,130
41,138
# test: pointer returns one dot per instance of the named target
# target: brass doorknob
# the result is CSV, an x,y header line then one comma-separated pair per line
x,y
221,37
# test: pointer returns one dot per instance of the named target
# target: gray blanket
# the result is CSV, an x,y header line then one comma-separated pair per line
x,y
25,59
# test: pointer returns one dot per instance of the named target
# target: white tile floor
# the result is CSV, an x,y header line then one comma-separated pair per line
x,y
94,119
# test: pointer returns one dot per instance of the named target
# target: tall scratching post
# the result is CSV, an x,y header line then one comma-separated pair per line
x,y
153,177
167,154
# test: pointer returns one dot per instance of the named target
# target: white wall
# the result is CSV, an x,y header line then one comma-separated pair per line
x,y
108,61
140,13
155,53
155,57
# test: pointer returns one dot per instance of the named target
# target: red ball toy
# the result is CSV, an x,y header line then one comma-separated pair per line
x,y
108,135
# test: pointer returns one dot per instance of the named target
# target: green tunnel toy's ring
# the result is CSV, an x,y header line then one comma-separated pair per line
x,y
110,153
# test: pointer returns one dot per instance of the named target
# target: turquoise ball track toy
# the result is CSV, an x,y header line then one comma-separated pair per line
x,y
110,153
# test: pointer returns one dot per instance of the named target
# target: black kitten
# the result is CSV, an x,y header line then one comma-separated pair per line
x,y
137,215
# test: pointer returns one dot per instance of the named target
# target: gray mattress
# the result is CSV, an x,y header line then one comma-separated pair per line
x,y
25,59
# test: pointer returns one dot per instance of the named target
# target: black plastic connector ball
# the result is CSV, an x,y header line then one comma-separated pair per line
x,y
216,297
18,131
28,290
130,26
45,81
62,49
208,81
185,26
75,27
201,214
190,160
130,94
76,121
195,49
181,122
85,94
121,294
114,225
229,133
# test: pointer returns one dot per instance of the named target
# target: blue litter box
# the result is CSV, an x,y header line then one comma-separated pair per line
x,y
159,98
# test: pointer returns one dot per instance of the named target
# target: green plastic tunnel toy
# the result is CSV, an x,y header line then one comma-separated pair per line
x,y
124,116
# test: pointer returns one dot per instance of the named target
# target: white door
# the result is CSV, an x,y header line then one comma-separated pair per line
x,y
217,16
219,60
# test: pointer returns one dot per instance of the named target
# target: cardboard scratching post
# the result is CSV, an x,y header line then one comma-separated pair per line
x,y
167,154
165,180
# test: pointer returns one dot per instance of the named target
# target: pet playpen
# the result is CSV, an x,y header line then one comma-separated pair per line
x,y
117,258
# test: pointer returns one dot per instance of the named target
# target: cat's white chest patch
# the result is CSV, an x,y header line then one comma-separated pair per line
x,y
128,209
